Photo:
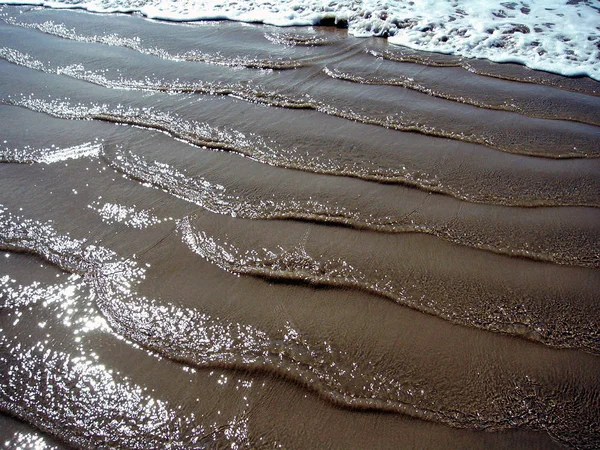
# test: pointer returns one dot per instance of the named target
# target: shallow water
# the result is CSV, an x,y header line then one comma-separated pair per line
x,y
240,236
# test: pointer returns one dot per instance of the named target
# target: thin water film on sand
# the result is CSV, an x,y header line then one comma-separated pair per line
x,y
217,234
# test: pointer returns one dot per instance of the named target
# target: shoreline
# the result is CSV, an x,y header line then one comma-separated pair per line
x,y
226,266
341,20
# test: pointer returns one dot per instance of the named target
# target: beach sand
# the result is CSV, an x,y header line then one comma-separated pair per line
x,y
226,235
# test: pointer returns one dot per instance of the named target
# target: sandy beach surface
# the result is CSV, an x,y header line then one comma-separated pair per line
x,y
227,235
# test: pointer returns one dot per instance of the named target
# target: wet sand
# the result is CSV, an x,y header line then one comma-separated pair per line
x,y
225,235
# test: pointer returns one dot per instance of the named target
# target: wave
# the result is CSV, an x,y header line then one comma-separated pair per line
x,y
289,156
136,44
389,310
527,108
535,142
75,256
213,196
217,199
203,135
490,69
296,264
201,340
237,90
124,415
28,372
537,34
195,133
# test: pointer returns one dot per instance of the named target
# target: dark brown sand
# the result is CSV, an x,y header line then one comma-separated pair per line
x,y
234,236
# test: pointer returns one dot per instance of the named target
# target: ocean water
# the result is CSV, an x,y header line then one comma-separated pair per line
x,y
560,36
220,234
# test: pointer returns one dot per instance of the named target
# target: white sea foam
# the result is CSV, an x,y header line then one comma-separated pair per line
x,y
561,36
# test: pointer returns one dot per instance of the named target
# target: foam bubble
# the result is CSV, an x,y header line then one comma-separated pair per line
x,y
560,36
